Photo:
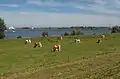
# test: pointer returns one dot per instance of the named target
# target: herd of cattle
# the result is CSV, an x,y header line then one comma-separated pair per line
x,y
57,47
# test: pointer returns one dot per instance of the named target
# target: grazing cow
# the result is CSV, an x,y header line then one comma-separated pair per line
x,y
40,44
103,36
99,41
28,41
56,47
59,38
77,40
37,44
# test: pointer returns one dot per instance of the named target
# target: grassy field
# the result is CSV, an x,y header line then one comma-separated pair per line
x,y
75,61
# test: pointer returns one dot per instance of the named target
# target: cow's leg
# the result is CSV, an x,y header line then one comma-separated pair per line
x,y
59,48
35,45
25,42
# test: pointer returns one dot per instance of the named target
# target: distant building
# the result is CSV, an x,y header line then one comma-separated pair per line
x,y
11,28
33,27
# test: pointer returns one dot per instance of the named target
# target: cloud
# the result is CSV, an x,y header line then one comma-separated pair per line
x,y
94,6
103,7
100,2
55,9
24,13
110,7
58,19
45,3
80,7
9,5
61,3
63,12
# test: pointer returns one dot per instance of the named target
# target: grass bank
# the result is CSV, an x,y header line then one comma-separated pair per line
x,y
84,60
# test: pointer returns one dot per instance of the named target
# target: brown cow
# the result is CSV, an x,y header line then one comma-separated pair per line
x,y
56,47
59,38
37,44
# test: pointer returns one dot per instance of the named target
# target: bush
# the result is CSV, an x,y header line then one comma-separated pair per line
x,y
18,37
79,33
115,29
76,32
45,34
66,34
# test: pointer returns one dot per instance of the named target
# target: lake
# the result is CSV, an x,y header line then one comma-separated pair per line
x,y
36,33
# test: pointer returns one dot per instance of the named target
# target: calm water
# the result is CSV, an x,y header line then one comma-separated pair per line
x,y
36,33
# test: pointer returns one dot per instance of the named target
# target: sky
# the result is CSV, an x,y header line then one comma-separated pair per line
x,y
60,13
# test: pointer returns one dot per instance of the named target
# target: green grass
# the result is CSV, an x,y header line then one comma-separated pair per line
x,y
25,62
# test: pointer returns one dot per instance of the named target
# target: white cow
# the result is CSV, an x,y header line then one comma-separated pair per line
x,y
103,36
77,40
40,44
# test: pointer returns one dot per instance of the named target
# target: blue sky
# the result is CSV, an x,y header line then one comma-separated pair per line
x,y
60,12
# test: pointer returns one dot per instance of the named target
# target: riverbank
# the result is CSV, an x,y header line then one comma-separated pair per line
x,y
37,33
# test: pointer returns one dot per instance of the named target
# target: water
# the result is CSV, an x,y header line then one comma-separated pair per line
x,y
36,33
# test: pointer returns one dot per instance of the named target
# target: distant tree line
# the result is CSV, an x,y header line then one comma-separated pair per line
x,y
74,32
73,27
87,27
25,28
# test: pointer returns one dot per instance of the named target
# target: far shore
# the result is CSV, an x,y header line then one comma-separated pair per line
x,y
57,28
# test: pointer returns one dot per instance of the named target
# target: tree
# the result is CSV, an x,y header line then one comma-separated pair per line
x,y
115,29
73,32
76,32
79,33
2,28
